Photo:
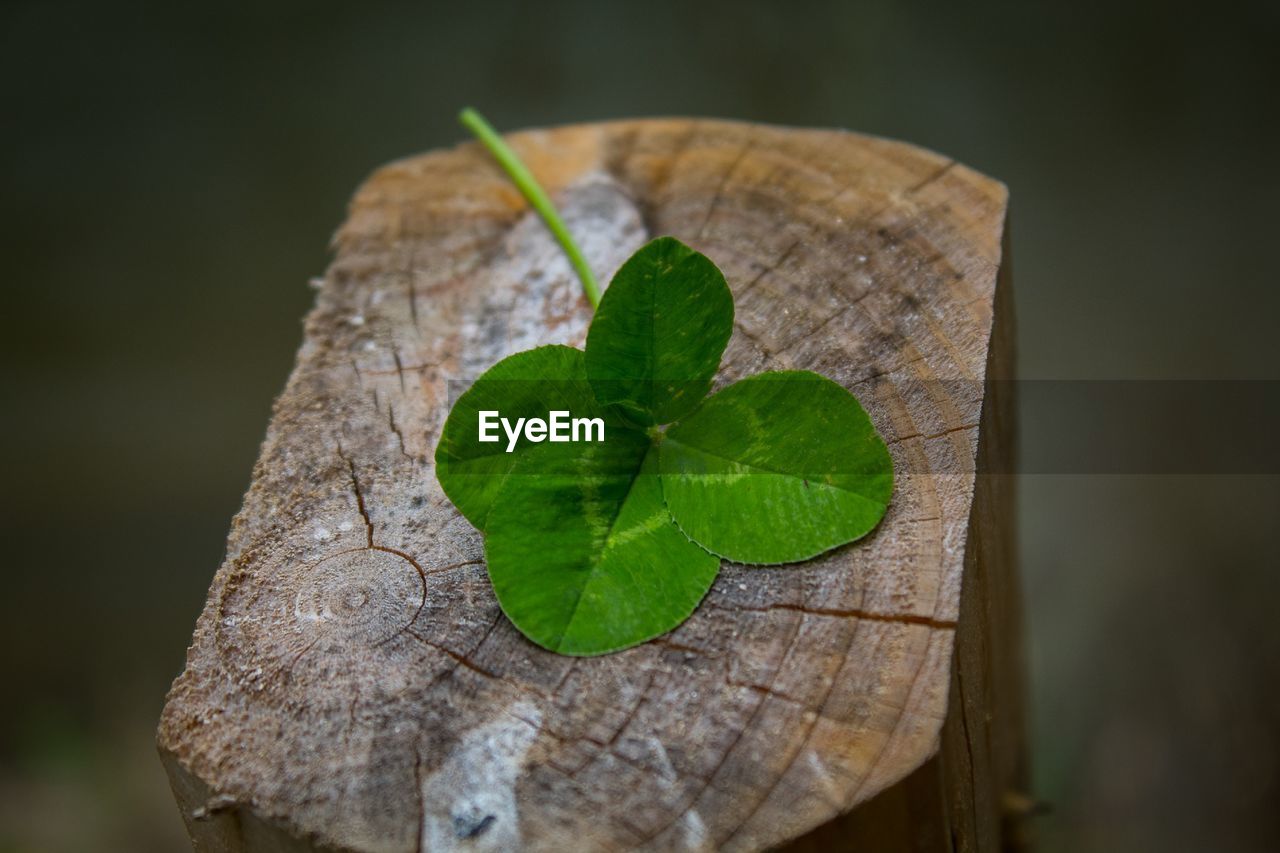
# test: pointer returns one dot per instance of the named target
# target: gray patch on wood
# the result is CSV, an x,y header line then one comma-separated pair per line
x,y
533,278
470,802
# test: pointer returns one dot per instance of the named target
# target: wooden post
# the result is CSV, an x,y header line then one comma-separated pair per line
x,y
352,683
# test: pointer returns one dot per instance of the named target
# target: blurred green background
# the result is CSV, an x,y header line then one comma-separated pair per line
x,y
170,179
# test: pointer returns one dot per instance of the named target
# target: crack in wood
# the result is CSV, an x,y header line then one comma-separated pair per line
x,y
804,740
461,659
355,487
724,183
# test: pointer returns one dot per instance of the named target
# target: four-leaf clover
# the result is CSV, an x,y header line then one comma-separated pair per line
x,y
595,546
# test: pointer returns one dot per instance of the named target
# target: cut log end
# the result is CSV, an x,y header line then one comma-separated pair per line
x,y
352,683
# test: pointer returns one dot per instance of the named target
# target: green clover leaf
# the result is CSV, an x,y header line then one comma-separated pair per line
x,y
776,468
600,541
525,385
653,348
590,561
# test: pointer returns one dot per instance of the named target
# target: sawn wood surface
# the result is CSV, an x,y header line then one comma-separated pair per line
x,y
352,682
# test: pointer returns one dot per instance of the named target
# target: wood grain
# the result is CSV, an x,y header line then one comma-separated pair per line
x,y
352,683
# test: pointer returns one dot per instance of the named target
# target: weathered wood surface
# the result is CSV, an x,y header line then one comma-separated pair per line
x,y
352,682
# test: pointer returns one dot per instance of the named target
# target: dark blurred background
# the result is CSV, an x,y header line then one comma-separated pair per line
x,y
171,177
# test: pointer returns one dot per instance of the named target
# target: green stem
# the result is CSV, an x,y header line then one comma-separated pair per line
x,y
536,196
